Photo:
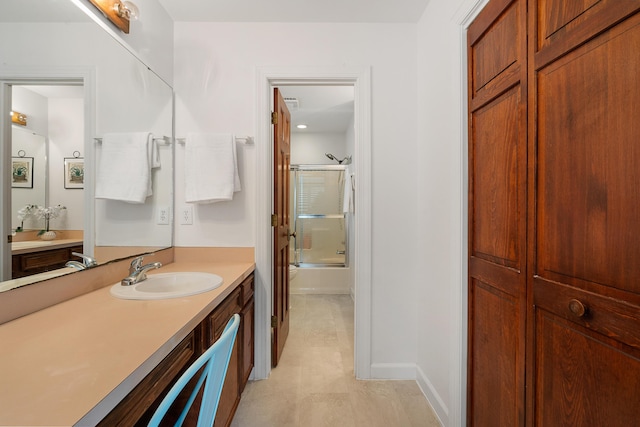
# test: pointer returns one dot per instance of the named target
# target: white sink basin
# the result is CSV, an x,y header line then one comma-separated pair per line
x,y
168,285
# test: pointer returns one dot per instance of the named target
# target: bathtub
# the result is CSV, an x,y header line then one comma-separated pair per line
x,y
321,280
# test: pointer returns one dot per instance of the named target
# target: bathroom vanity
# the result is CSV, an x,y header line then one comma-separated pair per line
x,y
100,360
140,404
32,257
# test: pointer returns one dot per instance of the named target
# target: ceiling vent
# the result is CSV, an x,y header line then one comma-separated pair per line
x,y
292,103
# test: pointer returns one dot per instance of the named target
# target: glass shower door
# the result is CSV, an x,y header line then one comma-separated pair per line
x,y
318,216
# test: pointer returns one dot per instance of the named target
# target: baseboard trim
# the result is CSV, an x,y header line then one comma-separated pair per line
x,y
320,291
393,371
438,405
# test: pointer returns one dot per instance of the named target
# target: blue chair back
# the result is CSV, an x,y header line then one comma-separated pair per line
x,y
216,359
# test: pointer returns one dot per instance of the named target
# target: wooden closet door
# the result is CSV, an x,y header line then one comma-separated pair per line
x,y
497,215
585,245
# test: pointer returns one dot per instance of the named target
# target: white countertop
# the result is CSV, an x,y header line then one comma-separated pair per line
x,y
72,363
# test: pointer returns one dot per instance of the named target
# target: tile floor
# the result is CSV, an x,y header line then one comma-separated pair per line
x,y
314,384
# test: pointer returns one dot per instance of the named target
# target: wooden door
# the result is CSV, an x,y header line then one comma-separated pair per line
x,y
585,247
497,215
281,162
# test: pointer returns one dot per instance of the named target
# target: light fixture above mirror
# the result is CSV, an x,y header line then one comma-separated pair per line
x,y
18,118
120,13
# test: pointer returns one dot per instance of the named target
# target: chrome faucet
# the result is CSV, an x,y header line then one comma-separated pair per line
x,y
87,261
75,264
138,272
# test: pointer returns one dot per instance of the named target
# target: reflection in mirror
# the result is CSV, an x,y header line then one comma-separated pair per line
x,y
29,152
120,94
51,140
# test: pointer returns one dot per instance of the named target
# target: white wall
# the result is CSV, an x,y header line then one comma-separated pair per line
x,y
215,75
309,148
66,135
442,202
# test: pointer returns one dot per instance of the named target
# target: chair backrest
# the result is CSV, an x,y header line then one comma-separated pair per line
x,y
216,359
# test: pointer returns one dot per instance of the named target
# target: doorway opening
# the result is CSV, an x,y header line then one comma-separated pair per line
x,y
322,147
359,81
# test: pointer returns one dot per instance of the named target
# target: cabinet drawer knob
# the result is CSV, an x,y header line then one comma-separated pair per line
x,y
577,308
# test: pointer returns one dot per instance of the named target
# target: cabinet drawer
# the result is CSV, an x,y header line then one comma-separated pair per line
x,y
247,290
43,259
221,315
608,316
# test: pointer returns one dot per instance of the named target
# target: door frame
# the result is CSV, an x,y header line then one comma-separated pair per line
x,y
266,78
457,413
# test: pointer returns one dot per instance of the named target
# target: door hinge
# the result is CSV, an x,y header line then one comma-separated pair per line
x,y
9,238
274,321
274,220
274,118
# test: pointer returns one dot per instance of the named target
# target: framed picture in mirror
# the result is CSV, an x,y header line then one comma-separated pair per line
x,y
22,172
73,172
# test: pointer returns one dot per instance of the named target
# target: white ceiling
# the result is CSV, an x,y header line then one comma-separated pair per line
x,y
374,11
324,109
57,91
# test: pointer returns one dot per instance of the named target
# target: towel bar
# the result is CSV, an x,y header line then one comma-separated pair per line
x,y
159,139
240,139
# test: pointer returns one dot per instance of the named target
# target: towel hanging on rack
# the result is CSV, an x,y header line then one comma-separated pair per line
x,y
211,168
124,165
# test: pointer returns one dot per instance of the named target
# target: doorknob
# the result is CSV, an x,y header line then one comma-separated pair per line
x,y
290,235
577,308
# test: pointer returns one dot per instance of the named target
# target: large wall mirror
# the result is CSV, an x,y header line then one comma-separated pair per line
x,y
80,91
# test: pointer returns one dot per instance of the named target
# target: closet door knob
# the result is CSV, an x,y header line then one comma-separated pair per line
x,y
577,308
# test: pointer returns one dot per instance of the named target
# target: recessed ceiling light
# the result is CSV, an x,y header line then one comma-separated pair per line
x,y
301,126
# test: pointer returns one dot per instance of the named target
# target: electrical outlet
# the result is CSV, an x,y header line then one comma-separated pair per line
x,y
163,215
186,216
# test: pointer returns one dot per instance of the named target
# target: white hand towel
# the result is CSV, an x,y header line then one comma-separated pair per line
x,y
154,154
123,170
211,168
154,162
347,203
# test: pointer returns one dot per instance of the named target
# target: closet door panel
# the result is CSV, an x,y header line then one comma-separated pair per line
x,y
498,232
588,157
494,51
585,277
573,387
560,25
498,386
497,215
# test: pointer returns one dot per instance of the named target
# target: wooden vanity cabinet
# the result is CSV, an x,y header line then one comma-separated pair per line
x,y
241,301
138,407
246,334
215,324
40,261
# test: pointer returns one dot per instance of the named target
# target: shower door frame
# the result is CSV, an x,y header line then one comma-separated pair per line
x,y
345,217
